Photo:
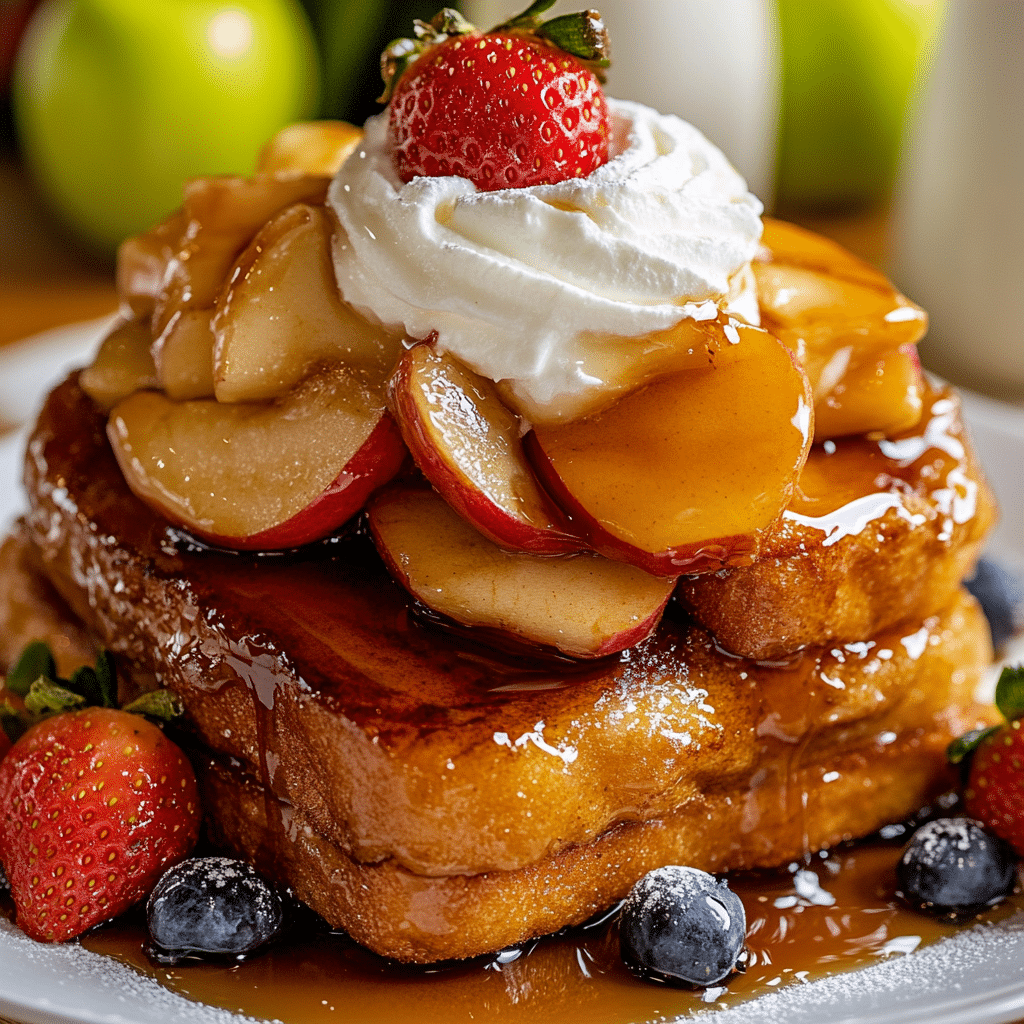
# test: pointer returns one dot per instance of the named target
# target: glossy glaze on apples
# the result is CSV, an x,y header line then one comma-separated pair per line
x,y
686,473
259,476
440,800
469,446
586,607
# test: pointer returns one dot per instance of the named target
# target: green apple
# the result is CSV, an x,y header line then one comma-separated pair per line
x,y
118,102
848,72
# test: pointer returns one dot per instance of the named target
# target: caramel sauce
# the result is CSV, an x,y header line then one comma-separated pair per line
x,y
794,935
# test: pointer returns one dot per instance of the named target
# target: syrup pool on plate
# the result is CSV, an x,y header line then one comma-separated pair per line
x,y
831,913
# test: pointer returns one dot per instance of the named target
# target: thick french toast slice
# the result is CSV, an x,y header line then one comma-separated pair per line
x,y
793,797
402,743
881,531
808,754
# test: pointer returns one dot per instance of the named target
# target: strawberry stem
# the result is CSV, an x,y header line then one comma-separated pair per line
x,y
528,19
161,704
582,34
399,54
963,747
47,697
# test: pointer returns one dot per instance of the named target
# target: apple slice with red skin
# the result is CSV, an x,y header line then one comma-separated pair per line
x,y
259,476
583,605
467,444
685,474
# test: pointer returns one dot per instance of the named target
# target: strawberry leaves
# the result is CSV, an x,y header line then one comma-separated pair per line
x,y
43,692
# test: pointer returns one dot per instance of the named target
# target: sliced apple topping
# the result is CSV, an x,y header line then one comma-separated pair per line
x,y
122,365
281,314
142,261
259,476
468,445
309,147
584,606
685,474
222,216
845,322
183,356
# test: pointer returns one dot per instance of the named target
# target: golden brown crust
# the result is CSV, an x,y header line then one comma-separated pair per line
x,y
30,609
883,533
798,800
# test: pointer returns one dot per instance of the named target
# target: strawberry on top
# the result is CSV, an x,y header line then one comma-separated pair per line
x,y
521,105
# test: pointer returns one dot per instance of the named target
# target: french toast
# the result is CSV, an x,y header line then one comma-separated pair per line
x,y
439,800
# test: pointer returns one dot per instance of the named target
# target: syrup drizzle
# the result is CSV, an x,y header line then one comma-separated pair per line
x,y
824,915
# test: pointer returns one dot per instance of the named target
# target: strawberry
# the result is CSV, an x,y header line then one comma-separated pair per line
x,y
95,802
510,108
994,792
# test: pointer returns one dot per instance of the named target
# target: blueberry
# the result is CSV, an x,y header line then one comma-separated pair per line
x,y
212,905
1001,596
956,868
682,924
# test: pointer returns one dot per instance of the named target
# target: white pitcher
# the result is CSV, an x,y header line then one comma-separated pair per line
x,y
960,201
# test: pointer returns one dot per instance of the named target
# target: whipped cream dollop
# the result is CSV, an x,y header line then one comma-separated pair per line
x,y
552,288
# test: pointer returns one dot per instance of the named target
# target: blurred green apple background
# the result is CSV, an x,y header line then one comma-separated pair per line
x,y
117,102
850,71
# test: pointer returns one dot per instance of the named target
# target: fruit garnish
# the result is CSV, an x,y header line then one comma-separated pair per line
x,y
211,906
994,763
95,802
518,106
683,925
685,474
955,868
585,607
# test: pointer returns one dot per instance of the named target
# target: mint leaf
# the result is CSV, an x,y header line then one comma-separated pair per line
x,y
1010,692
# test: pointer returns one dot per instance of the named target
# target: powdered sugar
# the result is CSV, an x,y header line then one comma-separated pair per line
x,y
974,977
41,982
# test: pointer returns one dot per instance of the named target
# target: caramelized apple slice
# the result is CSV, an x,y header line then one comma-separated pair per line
x,y
281,313
142,261
259,477
842,319
309,147
468,446
585,606
183,355
878,392
686,473
122,365
223,214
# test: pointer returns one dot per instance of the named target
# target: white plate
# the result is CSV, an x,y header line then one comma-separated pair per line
x,y
976,977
